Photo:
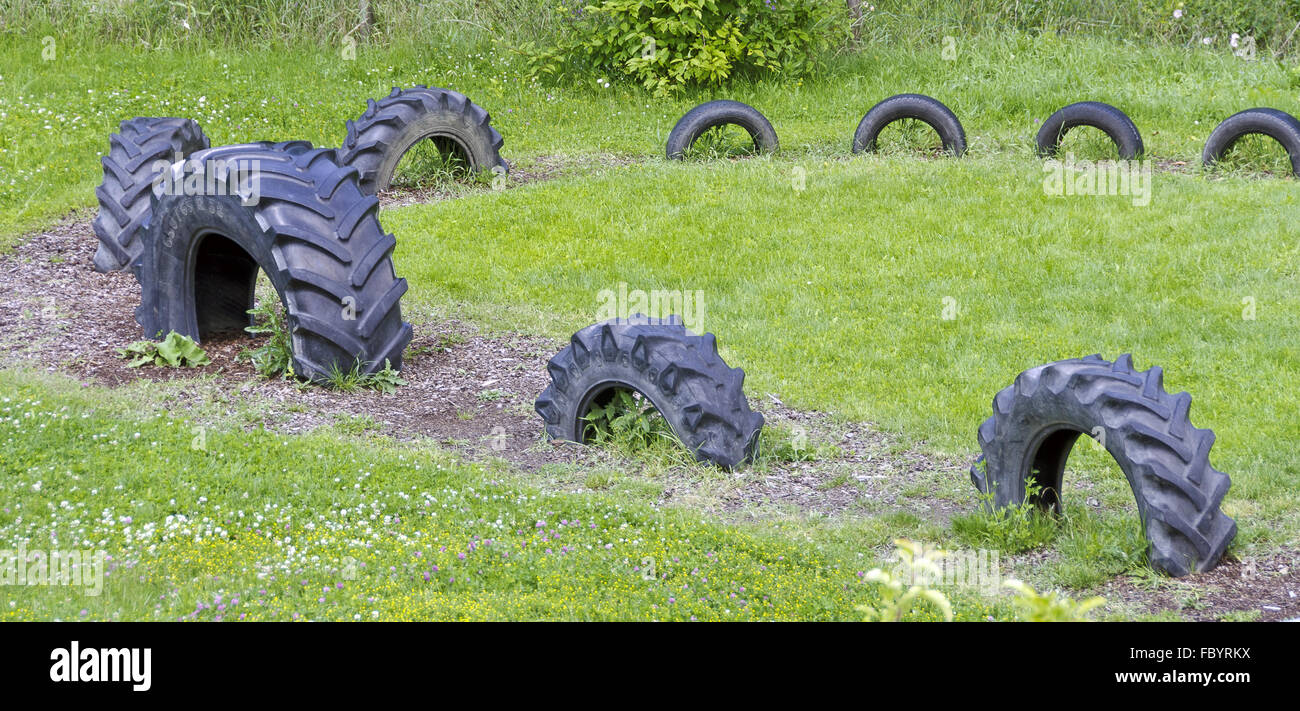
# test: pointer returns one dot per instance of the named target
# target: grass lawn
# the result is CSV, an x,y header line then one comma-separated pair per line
x,y
215,524
901,289
834,296
58,113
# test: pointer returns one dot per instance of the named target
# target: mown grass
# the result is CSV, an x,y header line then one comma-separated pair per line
x,y
827,284
209,523
58,113
834,296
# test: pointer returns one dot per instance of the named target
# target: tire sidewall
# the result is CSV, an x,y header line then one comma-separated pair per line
x,y
180,225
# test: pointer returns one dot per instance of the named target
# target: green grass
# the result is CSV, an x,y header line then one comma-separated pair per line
x,y
213,523
827,277
834,296
58,113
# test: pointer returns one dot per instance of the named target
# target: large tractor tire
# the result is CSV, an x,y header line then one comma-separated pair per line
x,y
679,372
392,125
136,155
1037,419
302,220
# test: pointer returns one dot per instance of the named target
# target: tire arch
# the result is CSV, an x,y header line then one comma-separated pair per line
x,y
125,194
1109,120
313,233
722,112
1037,420
378,139
923,108
680,373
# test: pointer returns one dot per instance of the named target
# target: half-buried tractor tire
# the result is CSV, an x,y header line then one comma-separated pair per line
x,y
1037,419
680,373
301,218
136,155
393,125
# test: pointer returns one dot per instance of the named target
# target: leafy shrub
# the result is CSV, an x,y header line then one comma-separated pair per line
x,y
666,45
175,350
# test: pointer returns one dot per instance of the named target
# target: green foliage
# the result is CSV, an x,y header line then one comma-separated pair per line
x,y
1093,549
629,420
175,350
783,443
917,565
385,381
1032,606
1239,616
275,357
1012,529
263,22
666,45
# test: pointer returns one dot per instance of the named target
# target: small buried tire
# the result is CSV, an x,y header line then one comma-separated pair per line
x,y
913,106
722,112
1113,122
1037,419
130,168
293,212
1278,125
391,126
679,372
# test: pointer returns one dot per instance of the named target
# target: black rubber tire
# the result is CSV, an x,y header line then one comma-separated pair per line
x,y
1278,125
312,232
1113,122
679,372
1036,421
913,106
378,139
129,171
722,112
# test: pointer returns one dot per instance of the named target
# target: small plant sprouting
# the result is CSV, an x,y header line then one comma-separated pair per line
x,y
1013,529
275,357
629,418
630,424
1052,607
175,350
783,444
385,381
917,564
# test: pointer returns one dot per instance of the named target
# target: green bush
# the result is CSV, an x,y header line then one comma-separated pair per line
x,y
666,45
